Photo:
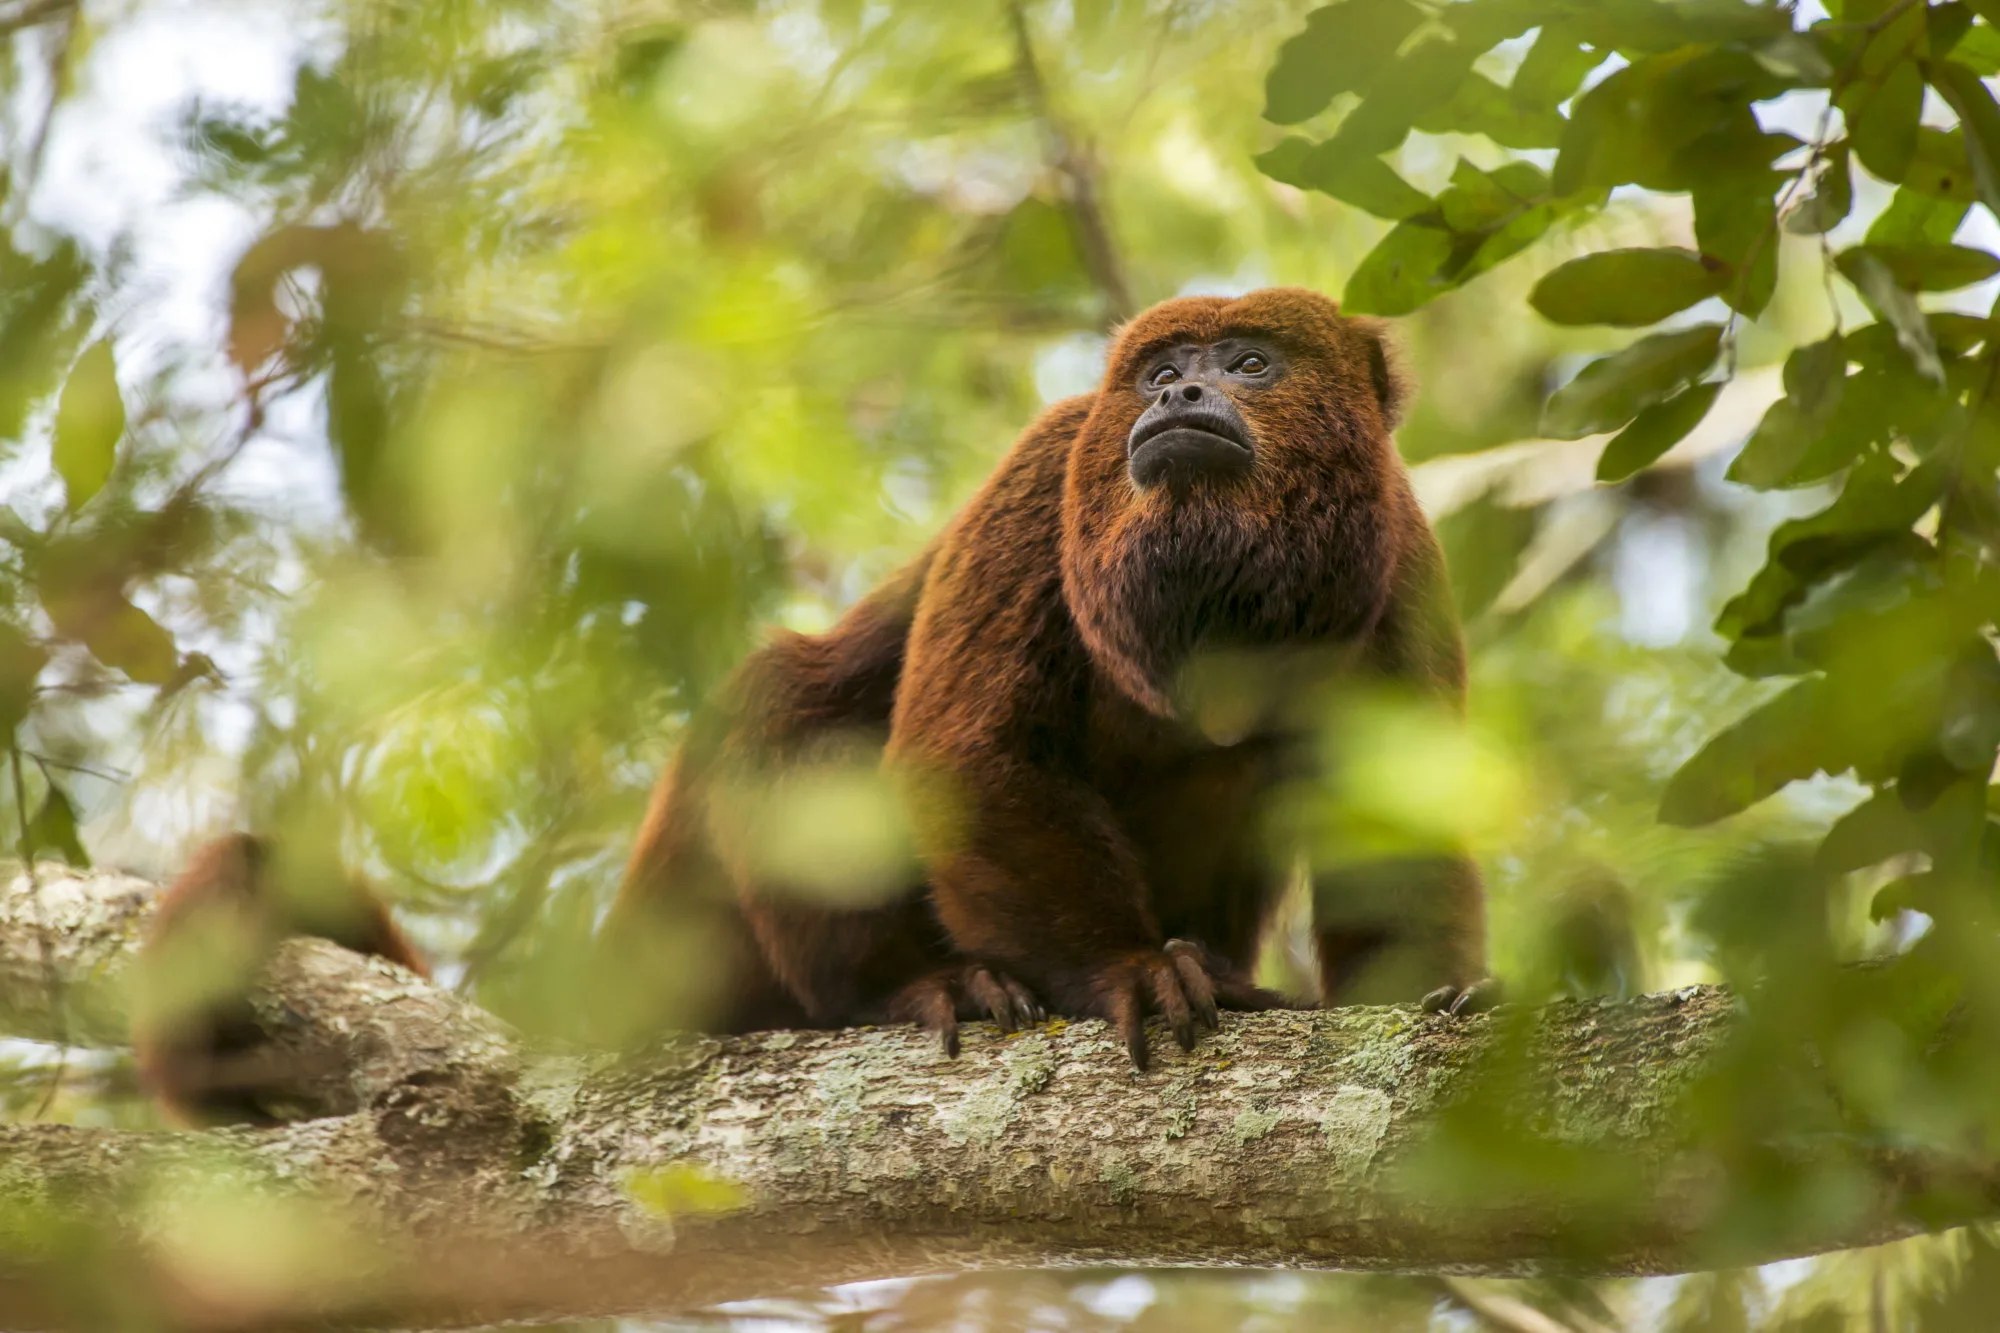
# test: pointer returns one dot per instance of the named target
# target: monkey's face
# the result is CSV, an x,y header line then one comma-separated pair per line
x,y
1234,485
1193,430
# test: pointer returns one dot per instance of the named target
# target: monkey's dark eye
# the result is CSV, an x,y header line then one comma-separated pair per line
x,y
1162,377
1250,363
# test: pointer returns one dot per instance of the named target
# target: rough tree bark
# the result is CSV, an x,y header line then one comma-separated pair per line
x,y
471,1179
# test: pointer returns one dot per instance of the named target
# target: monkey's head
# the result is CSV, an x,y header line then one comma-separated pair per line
x,y
1235,485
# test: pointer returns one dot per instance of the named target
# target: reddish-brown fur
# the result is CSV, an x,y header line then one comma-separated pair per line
x,y
204,1066
1091,842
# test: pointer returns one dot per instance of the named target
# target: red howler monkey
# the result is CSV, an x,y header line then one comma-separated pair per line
x,y
1231,488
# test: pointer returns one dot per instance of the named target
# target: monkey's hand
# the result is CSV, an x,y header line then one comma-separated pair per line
x,y
1182,982
964,989
1458,1001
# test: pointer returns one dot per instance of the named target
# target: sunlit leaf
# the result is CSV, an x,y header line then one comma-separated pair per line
x,y
90,420
1611,391
1628,288
1426,76
1941,168
1815,376
1896,307
1915,218
1789,738
1735,223
121,635
1932,268
52,831
1481,106
1553,68
1656,430
1875,509
1979,116
1367,182
1345,47
1401,273
37,327
1882,119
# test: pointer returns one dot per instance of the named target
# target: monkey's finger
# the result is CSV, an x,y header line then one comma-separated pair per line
x,y
931,1007
991,997
1025,1003
1477,998
1195,984
1233,992
1129,1017
1163,983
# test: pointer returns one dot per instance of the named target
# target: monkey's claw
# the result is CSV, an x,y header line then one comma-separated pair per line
x,y
967,989
1182,982
1460,1001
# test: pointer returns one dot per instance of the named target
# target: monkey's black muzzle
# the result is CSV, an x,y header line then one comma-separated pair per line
x,y
1188,434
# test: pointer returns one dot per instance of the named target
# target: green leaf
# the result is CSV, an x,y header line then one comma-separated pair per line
x,y
1932,268
1940,168
38,327
1368,183
1481,200
53,830
1285,161
1815,376
21,661
1914,217
1895,306
1946,25
1552,69
1661,122
1969,730
1656,430
90,420
1627,288
1920,892
1775,448
1787,739
1426,76
1869,834
1614,389
1874,509
1481,106
1735,221
1832,198
1401,273
1979,116
121,635
1345,48
1882,120
1483,542
1979,51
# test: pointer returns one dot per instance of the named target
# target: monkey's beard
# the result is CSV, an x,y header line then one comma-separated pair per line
x,y
1225,570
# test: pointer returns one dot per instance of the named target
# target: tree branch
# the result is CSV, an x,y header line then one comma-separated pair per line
x,y
476,1180
1079,177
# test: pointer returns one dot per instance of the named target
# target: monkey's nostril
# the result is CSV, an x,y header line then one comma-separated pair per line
x,y
1191,392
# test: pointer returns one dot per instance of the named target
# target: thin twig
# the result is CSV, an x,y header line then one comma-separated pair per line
x,y
44,949
1078,173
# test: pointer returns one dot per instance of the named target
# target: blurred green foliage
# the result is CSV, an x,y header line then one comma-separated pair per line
x,y
568,345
